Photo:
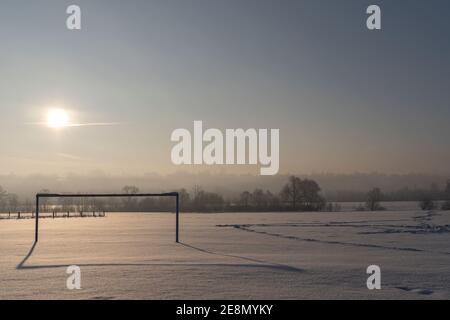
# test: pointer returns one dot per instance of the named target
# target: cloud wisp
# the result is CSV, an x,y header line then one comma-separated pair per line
x,y
87,124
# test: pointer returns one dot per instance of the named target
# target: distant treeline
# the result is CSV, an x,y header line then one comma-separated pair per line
x,y
296,195
403,194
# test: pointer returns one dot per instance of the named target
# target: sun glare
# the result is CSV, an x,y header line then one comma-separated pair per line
x,y
57,118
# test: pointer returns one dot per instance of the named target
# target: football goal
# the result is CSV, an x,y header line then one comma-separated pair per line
x,y
175,195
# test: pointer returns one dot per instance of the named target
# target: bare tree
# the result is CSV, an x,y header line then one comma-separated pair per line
x,y
28,205
290,191
197,203
44,203
3,195
427,203
303,194
309,195
273,202
447,190
130,203
258,199
185,200
13,202
373,199
244,199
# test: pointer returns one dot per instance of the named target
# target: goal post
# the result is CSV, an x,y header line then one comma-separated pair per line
x,y
106,195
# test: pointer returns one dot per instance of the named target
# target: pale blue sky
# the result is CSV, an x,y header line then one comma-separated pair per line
x,y
345,99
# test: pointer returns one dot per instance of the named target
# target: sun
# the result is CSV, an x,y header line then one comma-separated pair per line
x,y
57,118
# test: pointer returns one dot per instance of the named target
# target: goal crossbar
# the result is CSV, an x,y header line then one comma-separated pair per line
x,y
106,195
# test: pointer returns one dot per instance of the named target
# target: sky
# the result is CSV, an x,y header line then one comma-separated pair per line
x,y
345,99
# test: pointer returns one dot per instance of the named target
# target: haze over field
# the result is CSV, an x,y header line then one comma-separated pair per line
x,y
345,99
226,184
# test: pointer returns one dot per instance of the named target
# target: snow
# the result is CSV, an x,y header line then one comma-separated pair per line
x,y
229,256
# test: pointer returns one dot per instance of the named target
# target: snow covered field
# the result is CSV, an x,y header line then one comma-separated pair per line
x,y
229,256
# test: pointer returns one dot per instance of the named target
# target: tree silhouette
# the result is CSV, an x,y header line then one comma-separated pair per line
x,y
427,203
130,203
3,195
290,191
244,199
373,199
447,190
302,194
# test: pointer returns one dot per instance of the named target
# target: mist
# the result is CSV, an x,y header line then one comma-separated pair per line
x,y
228,185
